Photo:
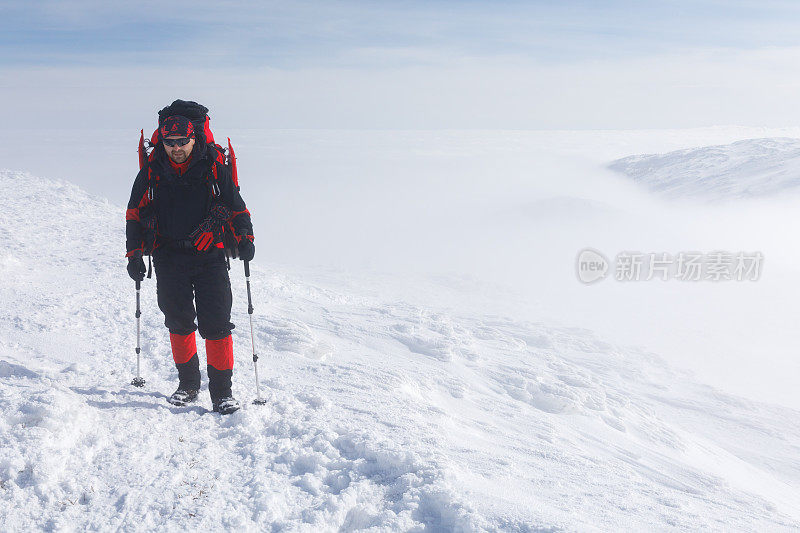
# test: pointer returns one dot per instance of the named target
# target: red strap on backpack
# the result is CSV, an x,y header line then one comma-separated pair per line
x,y
142,152
232,164
207,130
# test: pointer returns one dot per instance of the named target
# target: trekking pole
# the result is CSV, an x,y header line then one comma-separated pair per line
x,y
138,381
259,400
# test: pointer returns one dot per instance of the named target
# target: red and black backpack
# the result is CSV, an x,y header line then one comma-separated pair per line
x,y
198,114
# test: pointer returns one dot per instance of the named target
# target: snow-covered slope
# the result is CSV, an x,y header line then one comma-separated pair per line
x,y
744,169
384,413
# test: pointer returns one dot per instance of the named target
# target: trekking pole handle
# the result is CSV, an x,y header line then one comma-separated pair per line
x,y
249,297
138,288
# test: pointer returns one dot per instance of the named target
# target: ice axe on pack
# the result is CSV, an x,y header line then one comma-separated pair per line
x,y
138,381
259,400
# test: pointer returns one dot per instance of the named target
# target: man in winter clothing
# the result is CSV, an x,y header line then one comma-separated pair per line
x,y
182,203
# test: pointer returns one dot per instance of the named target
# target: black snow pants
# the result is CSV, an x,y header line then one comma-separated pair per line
x,y
186,277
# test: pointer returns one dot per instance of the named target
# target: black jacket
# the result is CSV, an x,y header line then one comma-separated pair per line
x,y
180,203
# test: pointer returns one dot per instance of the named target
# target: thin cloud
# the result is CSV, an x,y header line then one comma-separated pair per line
x,y
308,34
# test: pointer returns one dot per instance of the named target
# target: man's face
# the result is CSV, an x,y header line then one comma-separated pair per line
x,y
178,153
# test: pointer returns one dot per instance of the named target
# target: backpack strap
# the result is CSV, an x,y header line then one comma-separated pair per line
x,y
151,184
215,193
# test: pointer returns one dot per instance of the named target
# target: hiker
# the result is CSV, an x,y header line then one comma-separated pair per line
x,y
186,211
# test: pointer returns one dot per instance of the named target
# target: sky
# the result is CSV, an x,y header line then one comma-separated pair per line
x,y
409,64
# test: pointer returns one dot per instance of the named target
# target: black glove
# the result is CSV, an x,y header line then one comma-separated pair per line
x,y
247,250
136,269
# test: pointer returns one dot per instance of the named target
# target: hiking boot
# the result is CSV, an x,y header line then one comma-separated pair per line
x,y
182,396
225,406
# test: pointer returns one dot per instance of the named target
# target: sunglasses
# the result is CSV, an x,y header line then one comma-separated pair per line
x,y
183,141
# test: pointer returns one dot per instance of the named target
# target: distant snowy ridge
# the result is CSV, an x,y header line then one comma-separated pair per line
x,y
383,414
745,169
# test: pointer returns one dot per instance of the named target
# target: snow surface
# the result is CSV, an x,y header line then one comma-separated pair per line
x,y
749,168
384,413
